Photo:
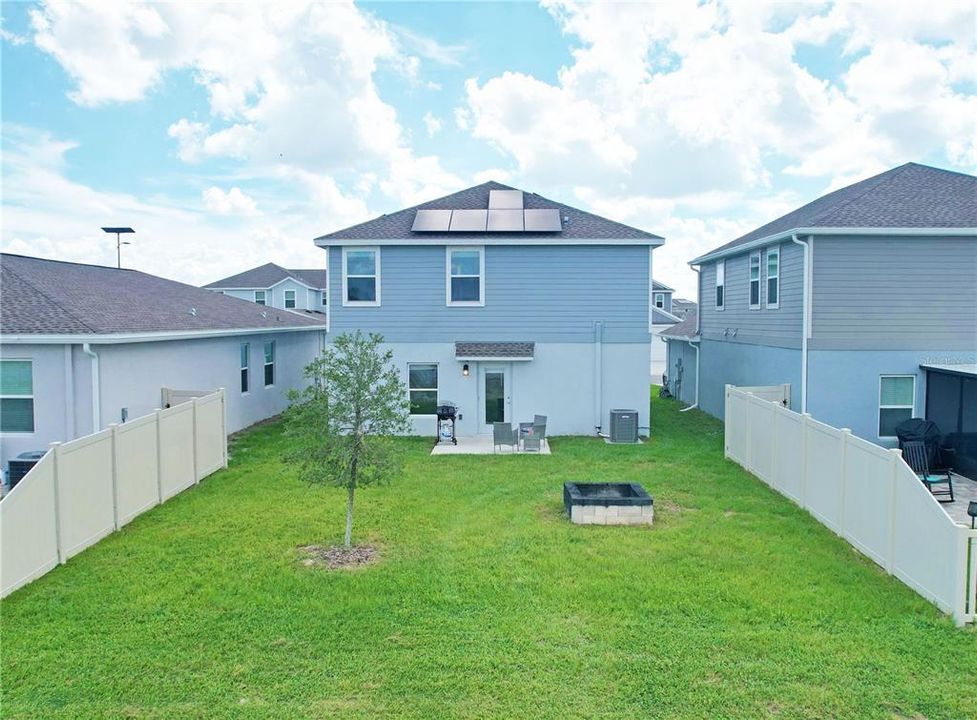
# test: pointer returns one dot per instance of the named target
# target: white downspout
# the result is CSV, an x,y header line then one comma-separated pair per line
x,y
694,405
806,329
96,388
598,374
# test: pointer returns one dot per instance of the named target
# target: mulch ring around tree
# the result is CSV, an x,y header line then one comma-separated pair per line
x,y
337,557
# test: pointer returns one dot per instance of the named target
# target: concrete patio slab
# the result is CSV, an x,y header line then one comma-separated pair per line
x,y
482,445
964,490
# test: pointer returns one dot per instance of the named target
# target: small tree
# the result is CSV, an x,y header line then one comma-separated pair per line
x,y
340,425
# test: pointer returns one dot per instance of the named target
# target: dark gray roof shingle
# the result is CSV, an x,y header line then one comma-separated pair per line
x,y
500,350
908,196
397,225
683,330
264,276
660,317
49,297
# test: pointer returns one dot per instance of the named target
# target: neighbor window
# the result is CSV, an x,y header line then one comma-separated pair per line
x,y
361,276
245,366
466,274
289,299
773,277
660,301
755,280
16,396
720,283
323,298
896,402
259,297
269,363
422,383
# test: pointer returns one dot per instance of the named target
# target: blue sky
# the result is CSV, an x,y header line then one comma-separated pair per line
x,y
231,135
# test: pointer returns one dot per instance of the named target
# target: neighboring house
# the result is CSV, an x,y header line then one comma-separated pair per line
x,y
682,358
82,346
274,286
504,302
661,318
681,307
852,299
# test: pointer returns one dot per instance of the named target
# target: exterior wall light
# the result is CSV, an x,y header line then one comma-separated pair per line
x,y
464,369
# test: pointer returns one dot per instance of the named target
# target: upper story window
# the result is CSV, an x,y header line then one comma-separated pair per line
x,y
897,395
773,277
289,299
754,280
660,301
245,367
720,284
466,276
361,276
324,298
16,396
259,297
422,383
269,363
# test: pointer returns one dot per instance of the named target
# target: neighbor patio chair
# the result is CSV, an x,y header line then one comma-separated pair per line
x,y
917,457
532,441
504,434
539,419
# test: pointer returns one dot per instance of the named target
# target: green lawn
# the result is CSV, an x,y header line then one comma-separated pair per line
x,y
487,602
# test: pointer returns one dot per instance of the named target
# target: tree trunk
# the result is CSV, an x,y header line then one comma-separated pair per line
x,y
349,515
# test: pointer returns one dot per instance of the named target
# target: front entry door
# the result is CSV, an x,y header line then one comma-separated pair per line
x,y
495,395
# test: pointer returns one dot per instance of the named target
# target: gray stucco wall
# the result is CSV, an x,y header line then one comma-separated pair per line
x,y
732,363
895,293
540,293
679,351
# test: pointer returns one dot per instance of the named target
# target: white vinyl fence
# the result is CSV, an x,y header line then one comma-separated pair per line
x,y
864,493
85,489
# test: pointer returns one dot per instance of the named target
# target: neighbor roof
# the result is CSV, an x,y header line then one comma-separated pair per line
x,y
578,225
909,196
50,297
660,287
662,317
264,276
684,330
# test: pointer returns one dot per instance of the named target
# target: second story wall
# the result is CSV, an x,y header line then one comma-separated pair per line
x,y
551,293
761,324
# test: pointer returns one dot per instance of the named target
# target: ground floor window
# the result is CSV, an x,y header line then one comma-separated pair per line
x,y
269,363
422,383
16,396
245,366
897,395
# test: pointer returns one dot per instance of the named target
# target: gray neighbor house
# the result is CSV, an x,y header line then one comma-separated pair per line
x,y
275,286
864,301
505,303
83,346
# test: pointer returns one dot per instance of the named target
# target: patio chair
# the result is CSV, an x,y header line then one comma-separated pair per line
x,y
532,441
504,434
539,419
917,457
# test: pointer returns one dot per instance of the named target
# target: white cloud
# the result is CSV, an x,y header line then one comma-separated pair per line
x,y
432,124
232,202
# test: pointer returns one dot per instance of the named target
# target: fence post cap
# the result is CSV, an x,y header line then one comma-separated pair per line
x,y
54,444
847,431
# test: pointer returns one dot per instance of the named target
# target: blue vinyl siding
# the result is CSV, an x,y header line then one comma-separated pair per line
x,y
541,293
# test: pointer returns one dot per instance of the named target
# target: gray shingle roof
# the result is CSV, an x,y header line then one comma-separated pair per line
x,y
264,276
660,286
500,350
49,297
908,196
684,330
660,317
397,225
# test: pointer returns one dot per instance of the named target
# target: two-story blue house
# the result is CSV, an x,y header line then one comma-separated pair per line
x,y
504,302
857,300
278,287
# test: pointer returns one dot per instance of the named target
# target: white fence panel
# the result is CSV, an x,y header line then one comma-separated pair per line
x,y
137,468
737,428
28,528
87,499
83,490
823,470
761,418
176,449
771,393
868,485
788,467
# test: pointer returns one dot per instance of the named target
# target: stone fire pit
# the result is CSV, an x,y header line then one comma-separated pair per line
x,y
608,504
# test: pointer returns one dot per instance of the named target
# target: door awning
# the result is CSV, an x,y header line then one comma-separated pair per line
x,y
507,351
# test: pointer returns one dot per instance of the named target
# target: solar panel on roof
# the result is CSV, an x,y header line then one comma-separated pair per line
x,y
431,221
505,199
468,220
543,220
505,221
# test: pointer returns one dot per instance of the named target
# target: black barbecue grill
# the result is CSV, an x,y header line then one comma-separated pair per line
x,y
447,412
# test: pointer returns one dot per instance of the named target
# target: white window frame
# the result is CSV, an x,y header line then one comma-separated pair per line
x,y
481,276
911,408
659,296
295,300
323,298
264,297
755,256
265,363
23,397
245,361
766,270
376,267
437,392
720,270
